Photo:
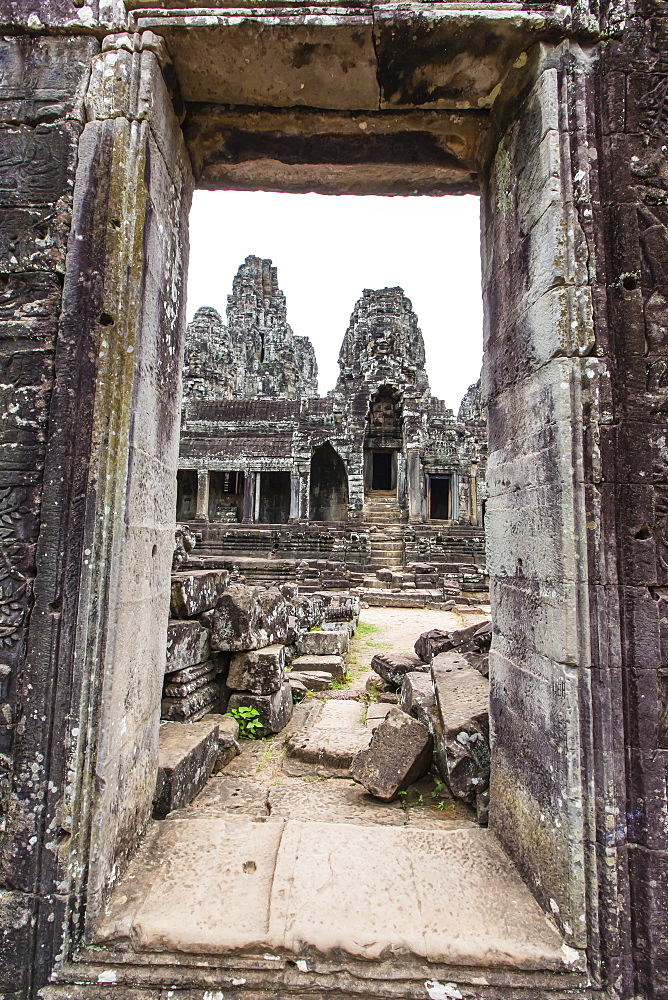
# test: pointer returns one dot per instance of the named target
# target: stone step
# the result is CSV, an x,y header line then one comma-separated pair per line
x,y
187,754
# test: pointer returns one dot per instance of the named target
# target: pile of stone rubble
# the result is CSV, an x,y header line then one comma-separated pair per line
x,y
442,718
231,646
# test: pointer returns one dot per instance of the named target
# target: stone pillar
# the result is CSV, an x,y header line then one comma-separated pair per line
x,y
544,388
85,770
257,476
473,494
414,476
304,492
203,479
248,509
294,494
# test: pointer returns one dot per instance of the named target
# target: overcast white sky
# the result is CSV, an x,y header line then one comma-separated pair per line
x,y
328,248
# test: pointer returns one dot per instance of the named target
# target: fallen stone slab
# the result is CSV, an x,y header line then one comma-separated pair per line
x,y
379,689
400,752
187,644
334,737
393,667
312,680
483,637
333,665
376,712
196,591
228,746
479,662
180,709
186,757
462,751
249,618
324,643
430,644
261,671
416,692
274,710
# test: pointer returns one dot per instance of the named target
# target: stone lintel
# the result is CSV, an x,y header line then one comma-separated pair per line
x,y
305,149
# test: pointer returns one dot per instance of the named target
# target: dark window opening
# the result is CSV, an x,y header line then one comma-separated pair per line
x,y
328,494
381,470
439,498
274,504
186,494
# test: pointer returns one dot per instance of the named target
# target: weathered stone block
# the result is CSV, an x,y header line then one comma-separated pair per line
x,y
393,667
325,643
196,591
400,752
35,163
261,671
249,618
274,710
187,645
311,680
462,701
333,665
416,690
44,78
186,757
180,709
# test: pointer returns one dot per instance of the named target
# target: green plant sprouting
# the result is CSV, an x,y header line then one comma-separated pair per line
x,y
249,721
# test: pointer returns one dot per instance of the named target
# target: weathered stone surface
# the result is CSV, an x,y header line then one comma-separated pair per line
x,y
474,637
324,643
311,680
196,591
298,150
249,618
333,739
462,746
393,667
181,708
400,752
197,670
274,710
187,645
260,671
185,688
416,692
186,757
333,665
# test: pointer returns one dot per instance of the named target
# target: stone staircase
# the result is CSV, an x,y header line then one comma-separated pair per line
x,y
381,507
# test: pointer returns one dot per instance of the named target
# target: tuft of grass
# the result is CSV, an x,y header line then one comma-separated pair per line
x,y
364,629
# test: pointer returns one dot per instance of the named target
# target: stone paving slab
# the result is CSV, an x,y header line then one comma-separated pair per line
x,y
336,735
207,886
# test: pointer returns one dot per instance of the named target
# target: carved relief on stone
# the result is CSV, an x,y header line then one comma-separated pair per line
x,y
654,105
15,589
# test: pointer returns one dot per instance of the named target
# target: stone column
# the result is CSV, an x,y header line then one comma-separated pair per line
x,y
304,492
473,494
294,494
256,495
249,498
202,495
414,486
106,542
541,378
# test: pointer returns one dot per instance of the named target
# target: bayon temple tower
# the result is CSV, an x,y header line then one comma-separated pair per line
x,y
378,475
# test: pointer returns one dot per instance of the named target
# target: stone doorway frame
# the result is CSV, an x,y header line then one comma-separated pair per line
x,y
122,295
